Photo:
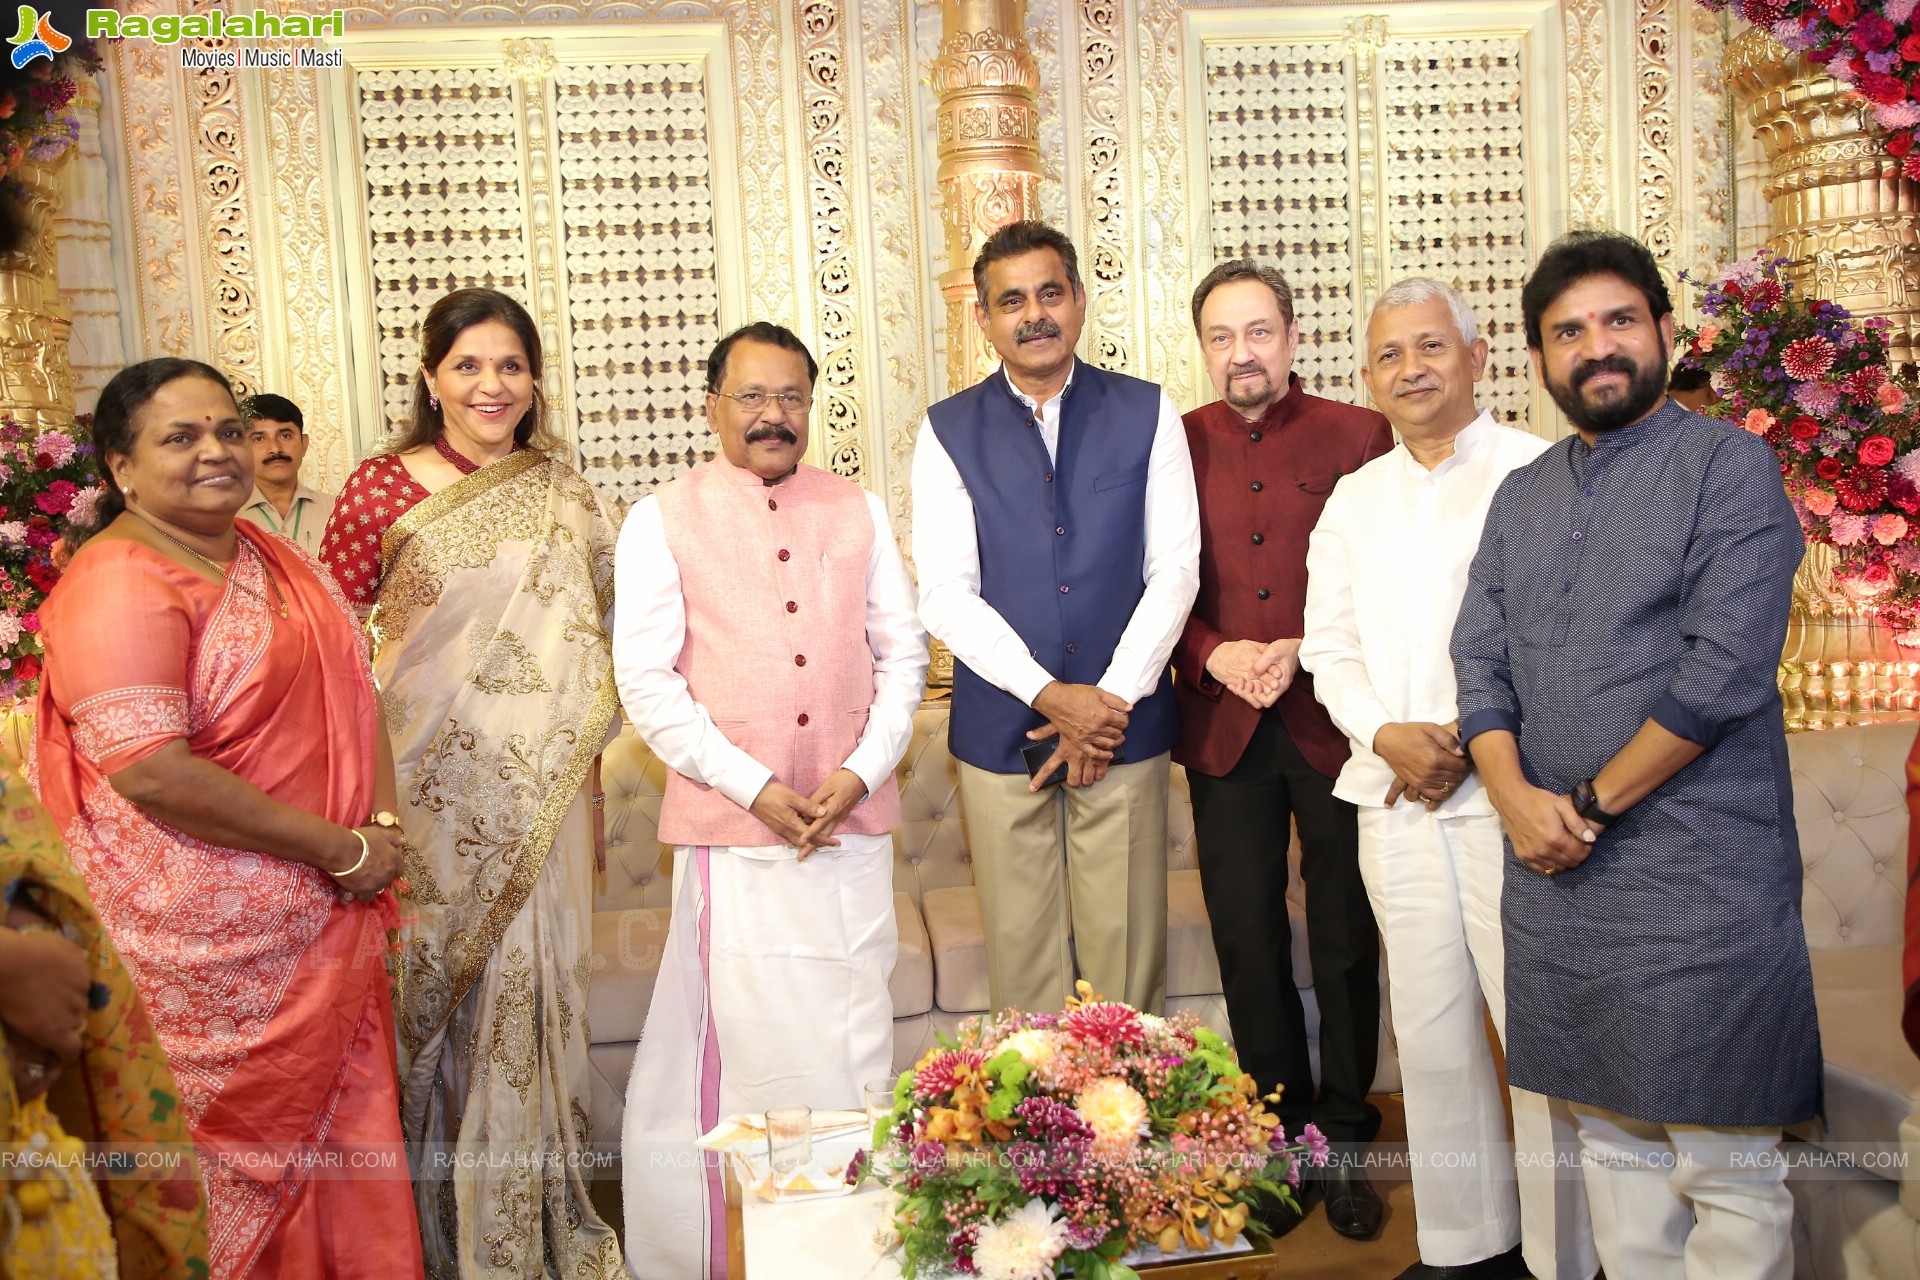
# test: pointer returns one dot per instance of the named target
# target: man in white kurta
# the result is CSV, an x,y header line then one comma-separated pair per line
x,y
1386,568
767,649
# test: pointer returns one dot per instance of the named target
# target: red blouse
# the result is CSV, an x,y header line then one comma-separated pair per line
x,y
379,491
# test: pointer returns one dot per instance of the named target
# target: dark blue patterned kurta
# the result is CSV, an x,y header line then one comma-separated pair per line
x,y
1666,977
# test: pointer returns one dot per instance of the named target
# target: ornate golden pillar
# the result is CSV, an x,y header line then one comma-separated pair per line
x,y
988,129
1842,215
36,382
1849,225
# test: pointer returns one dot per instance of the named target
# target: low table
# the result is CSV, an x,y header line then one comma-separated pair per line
x,y
766,1241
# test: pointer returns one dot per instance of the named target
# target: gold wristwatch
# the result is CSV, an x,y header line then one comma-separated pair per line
x,y
383,819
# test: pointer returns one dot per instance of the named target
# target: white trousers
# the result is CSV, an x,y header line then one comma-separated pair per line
x,y
772,991
1435,887
1684,1202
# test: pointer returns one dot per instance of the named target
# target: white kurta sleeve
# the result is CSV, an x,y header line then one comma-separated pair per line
x,y
946,551
1331,648
899,647
1172,568
650,629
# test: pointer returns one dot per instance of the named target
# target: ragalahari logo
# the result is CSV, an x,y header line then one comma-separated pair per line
x,y
37,37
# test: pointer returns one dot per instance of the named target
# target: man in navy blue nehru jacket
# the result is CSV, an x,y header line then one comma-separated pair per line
x,y
1057,539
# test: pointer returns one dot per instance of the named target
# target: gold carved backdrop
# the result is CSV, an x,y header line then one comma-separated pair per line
x,y
646,174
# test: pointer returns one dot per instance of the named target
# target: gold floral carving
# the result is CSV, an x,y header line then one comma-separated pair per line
x,y
1107,255
1167,352
157,157
221,178
1654,160
36,381
1588,188
836,281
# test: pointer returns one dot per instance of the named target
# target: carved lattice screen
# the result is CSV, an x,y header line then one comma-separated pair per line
x,y
583,190
1358,162
442,169
643,299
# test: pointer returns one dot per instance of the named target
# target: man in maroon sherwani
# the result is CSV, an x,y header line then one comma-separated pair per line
x,y
1258,749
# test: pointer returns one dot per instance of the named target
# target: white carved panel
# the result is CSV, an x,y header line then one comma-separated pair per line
x,y
441,162
643,300
1278,184
1455,200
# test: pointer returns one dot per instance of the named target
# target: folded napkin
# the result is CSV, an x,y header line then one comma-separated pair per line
x,y
744,1139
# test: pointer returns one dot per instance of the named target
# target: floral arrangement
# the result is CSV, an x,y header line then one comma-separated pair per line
x,y
1871,48
1801,373
47,481
34,124
1034,1144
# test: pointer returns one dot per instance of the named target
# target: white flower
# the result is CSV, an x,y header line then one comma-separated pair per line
x,y
9,630
1022,1245
1035,1047
13,533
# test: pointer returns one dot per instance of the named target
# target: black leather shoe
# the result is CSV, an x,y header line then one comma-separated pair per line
x,y
1505,1266
1353,1206
1274,1216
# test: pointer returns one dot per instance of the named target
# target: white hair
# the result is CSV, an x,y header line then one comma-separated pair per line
x,y
1418,289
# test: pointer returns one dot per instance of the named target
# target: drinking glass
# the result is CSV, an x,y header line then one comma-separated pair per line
x,y
789,1137
879,1096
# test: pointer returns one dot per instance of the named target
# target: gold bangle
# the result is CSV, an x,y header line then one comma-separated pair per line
x,y
366,851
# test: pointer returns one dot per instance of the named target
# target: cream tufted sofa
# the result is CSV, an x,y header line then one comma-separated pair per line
x,y
1849,798
941,975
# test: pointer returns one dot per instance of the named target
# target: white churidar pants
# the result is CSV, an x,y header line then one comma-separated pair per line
x,y
1685,1202
1434,882
772,992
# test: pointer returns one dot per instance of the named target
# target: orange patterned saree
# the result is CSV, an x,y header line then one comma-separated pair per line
x,y
269,993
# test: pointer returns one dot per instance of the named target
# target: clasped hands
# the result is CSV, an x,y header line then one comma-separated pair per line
x,y
1427,760
1547,832
1256,673
808,822
44,987
1090,724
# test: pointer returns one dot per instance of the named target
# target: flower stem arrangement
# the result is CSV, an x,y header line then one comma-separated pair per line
x,y
35,123
47,480
1870,46
1815,384
1030,1145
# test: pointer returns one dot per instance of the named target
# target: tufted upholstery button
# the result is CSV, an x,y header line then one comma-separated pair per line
x,y
1880,865
913,860
966,857
1838,816
1844,931
906,773
785,554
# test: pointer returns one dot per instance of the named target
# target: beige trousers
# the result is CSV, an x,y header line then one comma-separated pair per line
x,y
1071,871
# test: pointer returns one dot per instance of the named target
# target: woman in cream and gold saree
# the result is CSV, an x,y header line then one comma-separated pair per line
x,y
488,565
208,747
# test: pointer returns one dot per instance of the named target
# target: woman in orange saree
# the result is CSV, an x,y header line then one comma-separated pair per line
x,y
207,742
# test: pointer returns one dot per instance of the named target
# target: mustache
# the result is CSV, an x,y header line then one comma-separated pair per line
x,y
275,457
1252,366
772,431
1425,384
1607,364
1033,329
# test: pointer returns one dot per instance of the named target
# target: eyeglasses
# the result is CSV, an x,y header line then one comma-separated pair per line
x,y
756,401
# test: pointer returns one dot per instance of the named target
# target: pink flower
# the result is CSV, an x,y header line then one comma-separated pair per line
x,y
1847,529
57,445
1758,421
1104,1024
1820,501
1877,577
1889,528
1807,358
9,629
1708,335
1318,1148
1818,398
58,498
1892,398
86,505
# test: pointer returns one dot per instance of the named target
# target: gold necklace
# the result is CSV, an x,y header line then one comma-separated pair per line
x,y
278,603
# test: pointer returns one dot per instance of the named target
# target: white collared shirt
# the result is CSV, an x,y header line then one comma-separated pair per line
x,y
650,629
1386,570
305,521
946,552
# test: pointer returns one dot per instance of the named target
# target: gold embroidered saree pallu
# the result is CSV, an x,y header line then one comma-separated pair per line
x,y
496,677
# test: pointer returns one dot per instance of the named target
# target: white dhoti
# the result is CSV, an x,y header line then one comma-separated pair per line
x,y
1434,882
772,992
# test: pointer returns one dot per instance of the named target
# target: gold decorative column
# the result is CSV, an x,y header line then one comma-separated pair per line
x,y
988,129
1849,225
1841,214
36,381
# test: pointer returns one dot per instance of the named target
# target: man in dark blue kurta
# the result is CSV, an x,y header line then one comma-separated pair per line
x,y
1616,655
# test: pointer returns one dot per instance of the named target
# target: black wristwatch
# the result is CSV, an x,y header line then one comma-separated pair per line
x,y
1587,805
